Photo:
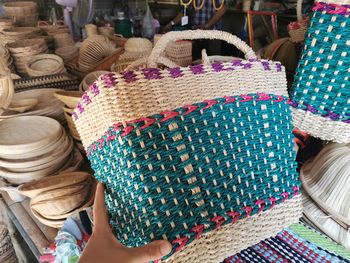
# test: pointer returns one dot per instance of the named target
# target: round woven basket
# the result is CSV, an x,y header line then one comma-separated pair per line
x,y
27,46
18,33
50,29
90,78
44,64
26,20
20,8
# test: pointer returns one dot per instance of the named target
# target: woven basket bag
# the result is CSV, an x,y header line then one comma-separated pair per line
x,y
201,156
320,96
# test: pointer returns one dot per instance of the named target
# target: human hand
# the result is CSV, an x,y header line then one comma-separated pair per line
x,y
104,247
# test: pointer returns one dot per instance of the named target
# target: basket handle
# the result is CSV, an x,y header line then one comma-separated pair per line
x,y
197,34
205,58
162,60
299,10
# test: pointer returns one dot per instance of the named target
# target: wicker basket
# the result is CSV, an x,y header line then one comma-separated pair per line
x,y
20,8
12,34
63,40
207,150
51,30
6,23
44,64
91,30
319,95
297,29
90,78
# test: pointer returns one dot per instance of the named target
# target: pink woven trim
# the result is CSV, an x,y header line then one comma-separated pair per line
x,y
232,216
125,129
334,9
112,79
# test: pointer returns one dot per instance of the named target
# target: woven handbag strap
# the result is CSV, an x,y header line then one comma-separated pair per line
x,y
197,34
299,10
143,61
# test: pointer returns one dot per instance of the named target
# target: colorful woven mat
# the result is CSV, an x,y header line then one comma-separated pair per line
x,y
298,243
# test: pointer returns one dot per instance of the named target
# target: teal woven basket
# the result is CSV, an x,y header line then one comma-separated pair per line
x,y
320,96
197,155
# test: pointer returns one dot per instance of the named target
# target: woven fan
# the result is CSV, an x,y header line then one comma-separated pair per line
x,y
93,50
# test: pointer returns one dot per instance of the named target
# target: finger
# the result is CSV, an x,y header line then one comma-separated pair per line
x,y
152,251
99,211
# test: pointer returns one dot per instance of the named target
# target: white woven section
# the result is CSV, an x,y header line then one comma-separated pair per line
x,y
230,239
320,127
338,2
129,101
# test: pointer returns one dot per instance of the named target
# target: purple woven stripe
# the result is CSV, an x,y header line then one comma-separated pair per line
x,y
111,79
152,73
175,72
329,114
197,69
129,76
333,9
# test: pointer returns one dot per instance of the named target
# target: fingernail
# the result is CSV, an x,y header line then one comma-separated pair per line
x,y
165,248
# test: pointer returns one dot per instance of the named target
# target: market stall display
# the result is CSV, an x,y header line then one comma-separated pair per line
x,y
180,133
12,34
23,50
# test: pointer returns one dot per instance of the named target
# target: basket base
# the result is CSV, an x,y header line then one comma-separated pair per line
x,y
219,244
321,127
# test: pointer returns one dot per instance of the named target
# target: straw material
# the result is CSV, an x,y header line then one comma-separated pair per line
x,y
297,29
6,23
44,64
70,98
62,180
238,236
93,50
91,30
52,30
90,78
326,180
319,95
20,8
7,251
199,148
63,40
6,91
67,53
12,34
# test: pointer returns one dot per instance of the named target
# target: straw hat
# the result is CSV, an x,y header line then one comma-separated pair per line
x,y
136,48
326,180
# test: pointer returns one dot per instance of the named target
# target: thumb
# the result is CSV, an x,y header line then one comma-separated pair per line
x,y
99,211
152,251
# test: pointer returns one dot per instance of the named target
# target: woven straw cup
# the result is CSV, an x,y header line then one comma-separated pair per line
x,y
44,64
167,135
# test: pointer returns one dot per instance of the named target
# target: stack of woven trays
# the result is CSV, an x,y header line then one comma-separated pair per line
x,y
44,64
7,252
326,181
32,147
71,99
23,50
47,105
55,198
6,59
25,13
12,34
180,52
